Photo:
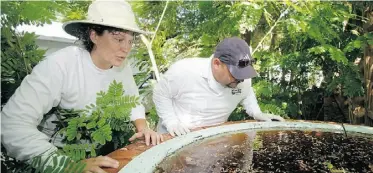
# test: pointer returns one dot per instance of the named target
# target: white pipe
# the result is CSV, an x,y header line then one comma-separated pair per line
x,y
152,59
149,45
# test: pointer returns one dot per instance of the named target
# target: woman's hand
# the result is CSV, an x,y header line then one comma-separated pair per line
x,y
149,135
94,165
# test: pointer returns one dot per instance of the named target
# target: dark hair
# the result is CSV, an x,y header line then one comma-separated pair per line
x,y
83,33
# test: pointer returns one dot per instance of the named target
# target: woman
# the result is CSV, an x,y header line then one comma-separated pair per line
x,y
71,78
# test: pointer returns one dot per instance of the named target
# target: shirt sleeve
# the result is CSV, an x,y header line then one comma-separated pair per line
x,y
37,94
165,91
131,89
250,103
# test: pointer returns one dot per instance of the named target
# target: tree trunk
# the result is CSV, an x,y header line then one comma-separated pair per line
x,y
368,68
247,37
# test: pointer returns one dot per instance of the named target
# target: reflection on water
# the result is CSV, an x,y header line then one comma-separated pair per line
x,y
274,151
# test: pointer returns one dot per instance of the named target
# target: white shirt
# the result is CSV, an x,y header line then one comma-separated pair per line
x,y
67,78
188,92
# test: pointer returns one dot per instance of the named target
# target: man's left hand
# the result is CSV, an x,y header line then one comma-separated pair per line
x,y
275,117
149,135
268,117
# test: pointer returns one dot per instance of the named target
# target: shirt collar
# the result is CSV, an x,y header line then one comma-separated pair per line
x,y
207,74
207,68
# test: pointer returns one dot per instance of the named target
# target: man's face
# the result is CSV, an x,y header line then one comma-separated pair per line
x,y
222,74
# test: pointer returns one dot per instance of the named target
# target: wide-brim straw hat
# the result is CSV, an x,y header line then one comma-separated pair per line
x,y
112,13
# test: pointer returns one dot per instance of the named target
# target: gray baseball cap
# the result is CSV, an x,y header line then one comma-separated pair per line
x,y
235,53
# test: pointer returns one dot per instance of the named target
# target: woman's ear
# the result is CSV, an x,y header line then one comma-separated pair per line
x,y
93,36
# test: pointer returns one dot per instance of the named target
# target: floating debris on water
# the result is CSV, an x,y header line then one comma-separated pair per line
x,y
274,151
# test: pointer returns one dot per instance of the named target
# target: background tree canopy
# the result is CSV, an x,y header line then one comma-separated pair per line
x,y
315,59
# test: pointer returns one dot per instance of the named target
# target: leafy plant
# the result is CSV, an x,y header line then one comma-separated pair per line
x,y
153,118
57,162
87,131
238,114
106,121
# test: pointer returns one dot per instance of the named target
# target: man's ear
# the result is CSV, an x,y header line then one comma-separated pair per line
x,y
216,62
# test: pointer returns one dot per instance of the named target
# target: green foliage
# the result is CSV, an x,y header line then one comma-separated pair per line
x,y
74,10
56,163
335,53
78,151
333,169
265,89
99,123
349,81
308,45
258,142
87,131
153,118
19,52
23,12
266,92
238,114
102,134
272,108
189,28
359,42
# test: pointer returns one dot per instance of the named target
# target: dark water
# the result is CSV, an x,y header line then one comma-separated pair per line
x,y
274,151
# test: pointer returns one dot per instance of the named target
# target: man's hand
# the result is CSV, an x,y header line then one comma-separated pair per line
x,y
149,134
94,165
267,117
177,128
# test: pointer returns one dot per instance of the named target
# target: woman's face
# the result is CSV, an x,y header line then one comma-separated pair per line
x,y
111,48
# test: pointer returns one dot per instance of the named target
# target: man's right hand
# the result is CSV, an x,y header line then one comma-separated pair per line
x,y
177,128
94,165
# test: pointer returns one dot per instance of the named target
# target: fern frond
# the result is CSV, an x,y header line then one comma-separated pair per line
x,y
93,150
131,101
72,131
102,134
91,125
57,162
115,89
79,151
98,122
102,99
123,124
101,123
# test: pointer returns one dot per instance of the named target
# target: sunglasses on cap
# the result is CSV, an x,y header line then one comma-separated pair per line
x,y
246,62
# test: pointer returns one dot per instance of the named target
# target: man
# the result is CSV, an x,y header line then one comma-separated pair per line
x,y
197,92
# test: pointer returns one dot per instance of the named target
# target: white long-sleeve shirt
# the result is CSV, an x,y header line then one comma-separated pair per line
x,y
69,79
189,93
